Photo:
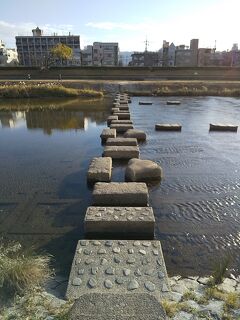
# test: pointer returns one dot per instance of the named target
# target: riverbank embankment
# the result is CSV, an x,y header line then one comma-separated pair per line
x,y
96,88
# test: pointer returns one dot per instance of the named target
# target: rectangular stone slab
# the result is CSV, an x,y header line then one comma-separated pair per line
x,y
111,118
115,110
121,122
128,222
108,133
118,266
168,127
121,142
122,116
121,152
125,109
120,194
100,169
109,306
222,127
121,127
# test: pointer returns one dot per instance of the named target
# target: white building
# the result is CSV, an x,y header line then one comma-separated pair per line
x,y
7,56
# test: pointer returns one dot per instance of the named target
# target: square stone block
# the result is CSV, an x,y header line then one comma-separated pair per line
x,y
128,222
120,194
120,128
118,267
108,133
100,169
121,142
122,116
121,152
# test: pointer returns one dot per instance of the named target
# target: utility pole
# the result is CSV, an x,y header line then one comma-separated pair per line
x,y
146,44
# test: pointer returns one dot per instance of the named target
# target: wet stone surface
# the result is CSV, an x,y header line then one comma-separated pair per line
x,y
119,267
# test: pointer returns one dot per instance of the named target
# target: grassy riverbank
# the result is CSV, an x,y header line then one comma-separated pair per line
x,y
44,90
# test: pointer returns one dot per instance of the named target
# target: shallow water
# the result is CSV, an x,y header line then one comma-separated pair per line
x,y
44,155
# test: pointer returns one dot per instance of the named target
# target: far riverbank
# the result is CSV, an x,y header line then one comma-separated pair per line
x,y
144,88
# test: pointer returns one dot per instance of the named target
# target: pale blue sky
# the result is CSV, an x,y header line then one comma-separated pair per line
x,y
127,22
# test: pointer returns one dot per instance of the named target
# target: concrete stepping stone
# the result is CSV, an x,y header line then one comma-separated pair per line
x,y
123,108
120,194
111,118
168,127
222,127
114,110
100,169
143,170
134,133
121,152
121,111
121,127
108,133
127,222
173,102
108,306
122,116
121,141
121,122
118,267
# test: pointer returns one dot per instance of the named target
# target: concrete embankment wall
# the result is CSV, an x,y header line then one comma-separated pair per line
x,y
123,73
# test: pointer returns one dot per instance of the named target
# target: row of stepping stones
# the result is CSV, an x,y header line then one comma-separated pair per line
x,y
111,277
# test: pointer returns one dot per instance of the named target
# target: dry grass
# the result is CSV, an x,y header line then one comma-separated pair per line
x,y
43,90
21,269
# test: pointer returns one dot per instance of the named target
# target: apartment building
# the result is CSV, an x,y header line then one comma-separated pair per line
x,y
145,59
8,57
34,50
87,56
105,53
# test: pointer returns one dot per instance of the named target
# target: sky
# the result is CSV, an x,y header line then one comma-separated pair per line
x,y
128,22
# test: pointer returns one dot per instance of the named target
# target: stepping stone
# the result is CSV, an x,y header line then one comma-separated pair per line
x,y
120,194
121,127
111,118
146,103
121,122
123,108
121,141
143,170
121,111
121,152
123,101
100,169
168,127
130,222
173,102
134,133
118,267
122,116
115,110
222,127
109,306
108,133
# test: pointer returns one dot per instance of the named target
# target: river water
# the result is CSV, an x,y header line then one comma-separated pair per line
x,y
44,156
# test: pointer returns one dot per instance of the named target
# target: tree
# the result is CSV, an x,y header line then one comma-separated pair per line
x,y
59,52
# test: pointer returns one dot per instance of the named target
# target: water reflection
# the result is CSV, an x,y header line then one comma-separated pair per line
x,y
50,115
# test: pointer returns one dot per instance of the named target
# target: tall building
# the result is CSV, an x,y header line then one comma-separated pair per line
x,y
105,53
186,57
34,50
194,49
87,56
145,59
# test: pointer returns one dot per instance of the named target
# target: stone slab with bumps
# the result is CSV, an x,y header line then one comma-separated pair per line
x,y
100,169
133,194
121,152
108,133
108,306
124,221
121,142
111,118
168,127
118,267
134,133
121,127
143,170
123,116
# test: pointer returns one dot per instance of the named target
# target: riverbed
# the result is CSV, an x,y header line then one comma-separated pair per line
x,y
45,153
